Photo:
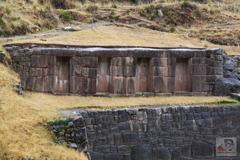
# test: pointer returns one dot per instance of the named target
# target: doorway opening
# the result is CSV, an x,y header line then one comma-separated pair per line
x,y
142,75
62,83
103,78
182,75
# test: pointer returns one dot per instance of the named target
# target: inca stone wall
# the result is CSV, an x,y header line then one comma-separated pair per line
x,y
83,78
124,71
164,133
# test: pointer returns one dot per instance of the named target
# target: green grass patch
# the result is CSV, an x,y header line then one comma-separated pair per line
x,y
66,15
150,11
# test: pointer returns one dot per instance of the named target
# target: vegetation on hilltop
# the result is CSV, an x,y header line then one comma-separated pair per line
x,y
214,21
122,35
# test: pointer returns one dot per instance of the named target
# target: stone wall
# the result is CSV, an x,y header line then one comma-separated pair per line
x,y
132,71
83,76
163,133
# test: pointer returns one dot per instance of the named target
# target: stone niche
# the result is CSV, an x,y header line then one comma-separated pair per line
x,y
157,133
123,71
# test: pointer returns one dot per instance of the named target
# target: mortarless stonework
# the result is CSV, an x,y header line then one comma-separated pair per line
x,y
162,133
86,70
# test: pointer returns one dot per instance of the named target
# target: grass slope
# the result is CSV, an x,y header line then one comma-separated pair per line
x,y
22,132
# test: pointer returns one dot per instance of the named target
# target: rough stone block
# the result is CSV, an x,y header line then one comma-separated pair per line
x,y
36,72
39,61
198,83
129,71
117,61
130,85
130,138
143,152
92,73
163,84
201,149
128,61
39,84
118,85
163,71
87,61
199,69
117,71
124,149
161,153
163,62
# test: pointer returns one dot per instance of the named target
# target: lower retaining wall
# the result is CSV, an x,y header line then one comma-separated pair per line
x,y
163,133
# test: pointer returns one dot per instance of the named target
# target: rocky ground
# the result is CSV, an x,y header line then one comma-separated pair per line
x,y
231,81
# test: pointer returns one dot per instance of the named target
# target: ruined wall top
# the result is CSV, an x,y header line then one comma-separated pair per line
x,y
71,50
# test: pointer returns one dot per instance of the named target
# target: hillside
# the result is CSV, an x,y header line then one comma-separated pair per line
x,y
115,35
214,24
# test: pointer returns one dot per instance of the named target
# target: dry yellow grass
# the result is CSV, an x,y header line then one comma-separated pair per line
x,y
63,102
23,134
22,131
115,35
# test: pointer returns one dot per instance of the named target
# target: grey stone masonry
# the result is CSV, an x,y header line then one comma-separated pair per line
x,y
95,70
155,133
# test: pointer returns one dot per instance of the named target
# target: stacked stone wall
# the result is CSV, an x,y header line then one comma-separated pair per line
x,y
41,74
38,70
206,70
83,75
164,133
163,73
122,73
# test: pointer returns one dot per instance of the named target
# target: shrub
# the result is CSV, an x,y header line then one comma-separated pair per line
x,y
128,11
186,4
47,7
172,29
92,8
61,122
66,16
150,12
62,4
200,1
135,1
35,6
7,10
114,5
28,1
2,23
214,9
113,15
2,11
205,46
